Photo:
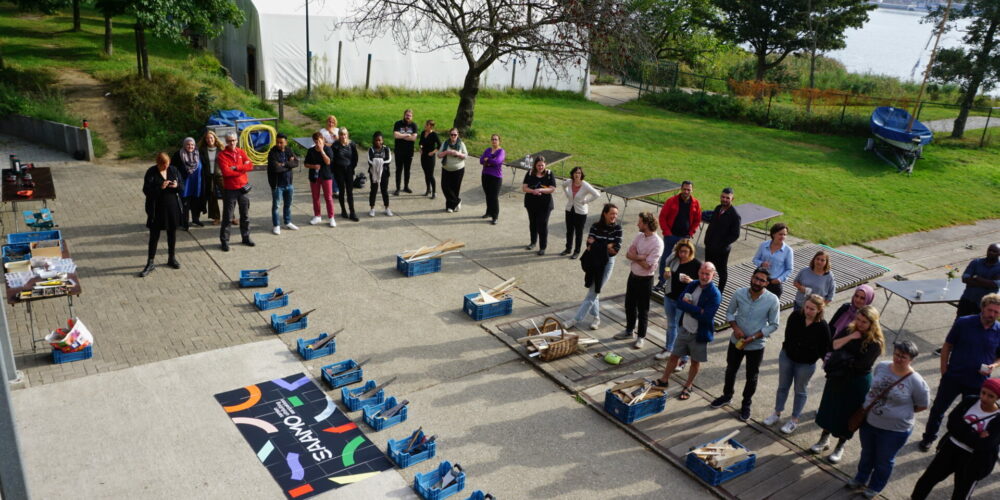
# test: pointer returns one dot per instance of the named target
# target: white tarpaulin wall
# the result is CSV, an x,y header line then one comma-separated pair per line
x,y
270,46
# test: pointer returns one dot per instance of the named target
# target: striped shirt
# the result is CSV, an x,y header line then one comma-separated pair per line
x,y
607,234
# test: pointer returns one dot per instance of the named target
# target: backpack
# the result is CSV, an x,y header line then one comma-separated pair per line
x,y
359,181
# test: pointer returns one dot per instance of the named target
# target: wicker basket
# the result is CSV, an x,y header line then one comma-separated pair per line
x,y
566,344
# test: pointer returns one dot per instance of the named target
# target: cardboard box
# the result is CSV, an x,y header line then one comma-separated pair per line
x,y
47,248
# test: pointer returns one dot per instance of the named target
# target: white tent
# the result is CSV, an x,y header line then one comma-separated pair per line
x,y
268,53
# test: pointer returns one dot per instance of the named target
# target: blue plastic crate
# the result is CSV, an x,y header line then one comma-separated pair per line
x,y
39,220
308,353
336,381
279,326
66,357
480,312
423,484
716,477
353,403
419,267
22,249
265,301
479,495
249,278
628,414
403,459
368,413
32,236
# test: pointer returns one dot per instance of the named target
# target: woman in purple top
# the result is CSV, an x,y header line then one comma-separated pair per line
x,y
492,162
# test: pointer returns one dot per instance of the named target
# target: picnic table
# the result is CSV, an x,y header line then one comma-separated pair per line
x,y
930,292
640,189
551,158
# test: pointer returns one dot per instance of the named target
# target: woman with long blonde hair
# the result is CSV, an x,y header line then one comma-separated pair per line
x,y
848,378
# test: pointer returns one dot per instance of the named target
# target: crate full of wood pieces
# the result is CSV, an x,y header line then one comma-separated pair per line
x,y
492,303
634,400
721,460
427,259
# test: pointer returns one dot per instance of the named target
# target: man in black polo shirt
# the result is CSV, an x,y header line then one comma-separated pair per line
x,y
723,230
405,133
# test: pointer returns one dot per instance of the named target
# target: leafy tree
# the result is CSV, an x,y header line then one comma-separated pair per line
x,y
676,29
50,6
975,67
110,9
483,31
776,28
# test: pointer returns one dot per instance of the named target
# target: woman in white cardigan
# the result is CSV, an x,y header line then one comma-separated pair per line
x,y
579,194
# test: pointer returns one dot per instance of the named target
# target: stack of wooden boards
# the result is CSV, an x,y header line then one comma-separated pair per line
x,y
637,390
721,453
432,252
497,293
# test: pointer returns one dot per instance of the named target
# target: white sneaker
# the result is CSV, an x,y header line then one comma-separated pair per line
x,y
371,213
836,456
459,207
569,324
821,446
680,365
594,325
664,354
315,220
388,212
449,211
789,427
772,419
276,230
639,342
333,222
291,226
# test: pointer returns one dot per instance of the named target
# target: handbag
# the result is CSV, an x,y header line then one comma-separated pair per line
x,y
858,417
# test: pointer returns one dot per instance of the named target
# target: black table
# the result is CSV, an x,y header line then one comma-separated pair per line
x,y
551,158
931,292
641,189
44,189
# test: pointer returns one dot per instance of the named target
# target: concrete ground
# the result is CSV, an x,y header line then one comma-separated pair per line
x,y
518,434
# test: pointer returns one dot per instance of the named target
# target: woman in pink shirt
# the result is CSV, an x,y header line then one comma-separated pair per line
x,y
643,256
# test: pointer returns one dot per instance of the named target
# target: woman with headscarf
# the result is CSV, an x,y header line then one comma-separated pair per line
x,y
162,185
187,161
863,296
848,378
208,149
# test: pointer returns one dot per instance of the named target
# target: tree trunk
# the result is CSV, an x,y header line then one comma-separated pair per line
x,y
76,15
982,62
138,55
144,53
108,47
812,78
467,101
761,66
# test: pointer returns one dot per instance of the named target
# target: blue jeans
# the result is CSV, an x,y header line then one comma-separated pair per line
x,y
674,315
278,195
789,371
878,455
668,248
591,303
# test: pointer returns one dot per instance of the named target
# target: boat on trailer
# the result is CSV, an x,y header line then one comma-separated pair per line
x,y
897,137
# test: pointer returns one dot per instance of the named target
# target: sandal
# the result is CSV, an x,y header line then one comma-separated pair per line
x,y
685,394
661,384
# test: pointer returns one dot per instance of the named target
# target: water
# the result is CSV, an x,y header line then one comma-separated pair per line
x,y
894,43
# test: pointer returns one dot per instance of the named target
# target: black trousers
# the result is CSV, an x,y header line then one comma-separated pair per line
x,y
734,358
967,307
637,293
538,224
345,179
950,459
719,257
230,198
377,184
427,164
451,186
403,161
154,240
193,206
775,289
574,230
491,188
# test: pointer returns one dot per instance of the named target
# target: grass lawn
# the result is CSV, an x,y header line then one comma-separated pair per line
x,y
830,190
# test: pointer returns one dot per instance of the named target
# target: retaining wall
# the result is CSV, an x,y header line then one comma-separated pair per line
x,y
73,140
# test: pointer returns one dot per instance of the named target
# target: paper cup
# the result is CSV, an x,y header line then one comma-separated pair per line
x,y
918,294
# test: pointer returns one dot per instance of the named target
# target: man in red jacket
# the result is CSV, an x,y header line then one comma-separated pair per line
x,y
234,165
680,217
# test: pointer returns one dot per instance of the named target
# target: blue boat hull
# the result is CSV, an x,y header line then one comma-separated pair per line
x,y
889,124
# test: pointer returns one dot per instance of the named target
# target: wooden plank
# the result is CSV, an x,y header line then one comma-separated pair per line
x,y
760,473
722,428
816,485
798,470
765,455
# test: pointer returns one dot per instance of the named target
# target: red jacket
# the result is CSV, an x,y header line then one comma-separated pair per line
x,y
234,179
669,212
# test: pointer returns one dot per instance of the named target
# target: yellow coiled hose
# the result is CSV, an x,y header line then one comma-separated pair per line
x,y
257,157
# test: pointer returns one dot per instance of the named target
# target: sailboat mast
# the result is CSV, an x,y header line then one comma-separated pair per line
x,y
927,72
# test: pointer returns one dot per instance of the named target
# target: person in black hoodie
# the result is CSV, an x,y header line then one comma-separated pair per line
x,y
379,159
603,243
343,162
723,230
969,449
161,185
280,162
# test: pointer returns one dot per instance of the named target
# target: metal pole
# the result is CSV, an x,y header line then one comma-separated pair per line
x,y
308,56
281,105
513,72
13,485
982,140
7,353
340,48
368,72
538,67
920,109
